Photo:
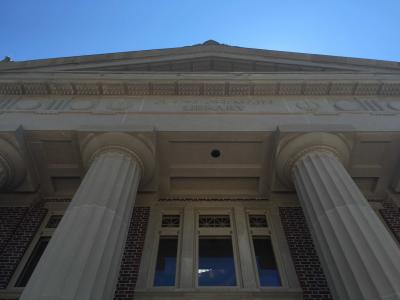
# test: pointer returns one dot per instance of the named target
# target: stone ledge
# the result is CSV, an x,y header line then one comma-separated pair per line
x,y
225,88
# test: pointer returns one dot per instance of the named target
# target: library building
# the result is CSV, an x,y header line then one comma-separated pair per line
x,y
201,172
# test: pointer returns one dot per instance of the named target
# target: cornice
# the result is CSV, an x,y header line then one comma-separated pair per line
x,y
327,87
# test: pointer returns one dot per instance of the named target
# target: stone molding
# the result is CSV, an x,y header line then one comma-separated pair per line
x,y
12,166
222,88
300,146
94,145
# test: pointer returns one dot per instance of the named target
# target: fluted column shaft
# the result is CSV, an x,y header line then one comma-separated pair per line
x,y
83,257
360,258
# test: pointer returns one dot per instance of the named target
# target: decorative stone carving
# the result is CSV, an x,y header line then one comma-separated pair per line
x,y
87,89
82,104
113,89
290,88
390,89
239,89
307,105
292,150
316,89
282,87
164,89
395,105
345,105
28,104
189,89
119,105
139,148
12,166
265,89
10,89
367,89
214,89
61,89
141,89
342,88
36,89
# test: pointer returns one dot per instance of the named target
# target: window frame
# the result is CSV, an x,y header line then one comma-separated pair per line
x,y
264,232
215,232
245,268
165,231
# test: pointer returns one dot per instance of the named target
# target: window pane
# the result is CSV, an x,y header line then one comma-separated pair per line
x,y
32,261
54,221
216,263
166,262
266,264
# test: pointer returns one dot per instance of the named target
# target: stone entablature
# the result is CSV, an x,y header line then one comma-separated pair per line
x,y
289,105
223,88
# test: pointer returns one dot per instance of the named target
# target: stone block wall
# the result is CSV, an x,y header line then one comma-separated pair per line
x,y
306,262
18,236
132,254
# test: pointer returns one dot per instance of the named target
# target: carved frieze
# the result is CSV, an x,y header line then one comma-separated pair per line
x,y
247,105
290,88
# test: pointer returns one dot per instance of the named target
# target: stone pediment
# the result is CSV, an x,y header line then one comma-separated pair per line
x,y
207,57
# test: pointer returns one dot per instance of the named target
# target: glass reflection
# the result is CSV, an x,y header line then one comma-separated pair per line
x,y
166,262
216,262
267,269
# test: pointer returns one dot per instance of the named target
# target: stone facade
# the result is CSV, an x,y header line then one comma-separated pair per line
x,y
122,165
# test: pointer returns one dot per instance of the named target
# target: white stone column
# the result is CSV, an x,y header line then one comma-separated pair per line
x,y
359,257
83,258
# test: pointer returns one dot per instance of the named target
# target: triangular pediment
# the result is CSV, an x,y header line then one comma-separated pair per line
x,y
210,63
207,57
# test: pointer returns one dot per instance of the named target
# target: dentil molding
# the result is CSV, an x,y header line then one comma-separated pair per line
x,y
223,88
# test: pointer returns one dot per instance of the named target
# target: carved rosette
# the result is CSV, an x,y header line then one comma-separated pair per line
x,y
290,152
12,166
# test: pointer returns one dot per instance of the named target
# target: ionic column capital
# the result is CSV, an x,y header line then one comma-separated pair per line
x,y
136,148
295,149
12,166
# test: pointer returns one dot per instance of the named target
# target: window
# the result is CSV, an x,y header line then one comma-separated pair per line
x,y
32,261
216,263
35,251
263,252
216,259
166,261
195,248
166,264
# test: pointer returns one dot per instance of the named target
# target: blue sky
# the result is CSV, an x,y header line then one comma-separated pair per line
x,y
32,29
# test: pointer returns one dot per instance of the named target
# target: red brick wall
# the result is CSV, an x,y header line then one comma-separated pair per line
x,y
133,252
18,241
391,215
305,258
10,217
